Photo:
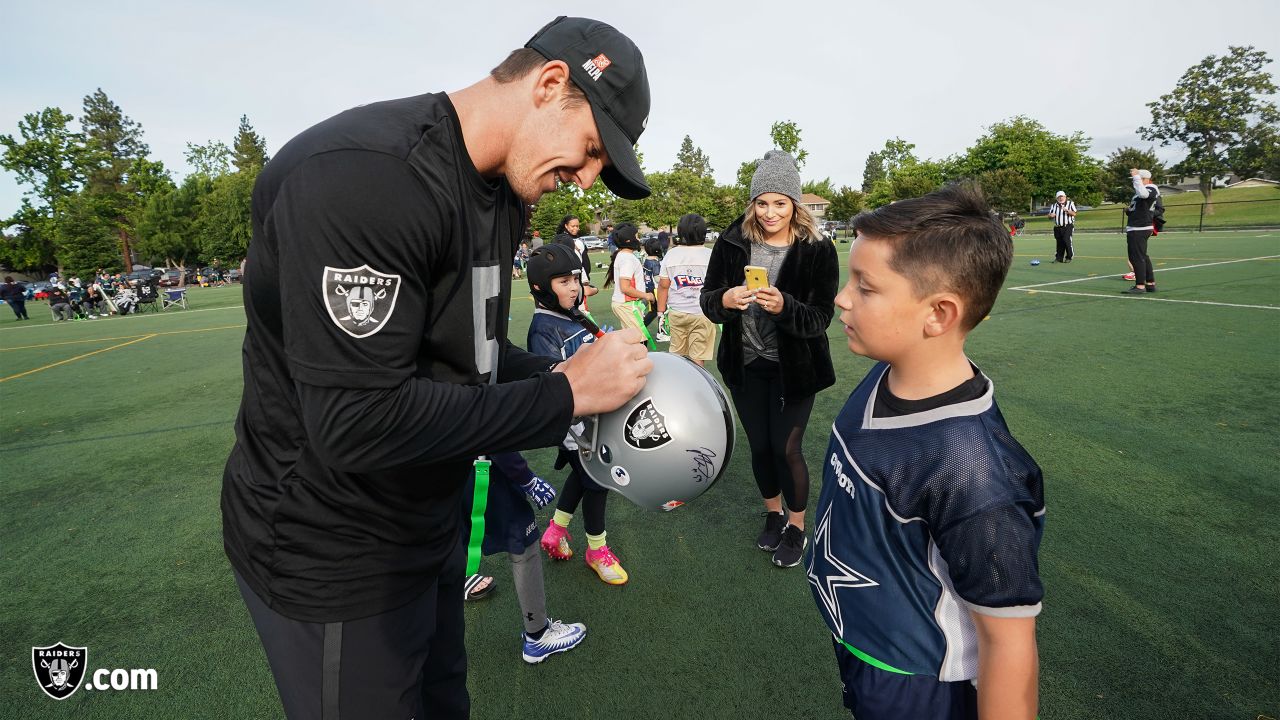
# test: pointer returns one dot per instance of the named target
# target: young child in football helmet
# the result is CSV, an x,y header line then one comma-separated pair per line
x,y
554,274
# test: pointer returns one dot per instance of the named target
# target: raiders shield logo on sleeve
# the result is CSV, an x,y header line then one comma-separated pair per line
x,y
360,300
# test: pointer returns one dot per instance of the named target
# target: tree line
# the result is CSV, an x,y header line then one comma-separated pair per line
x,y
1218,111
95,199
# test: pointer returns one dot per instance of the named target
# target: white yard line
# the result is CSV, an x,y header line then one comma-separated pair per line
x,y
1180,267
1140,297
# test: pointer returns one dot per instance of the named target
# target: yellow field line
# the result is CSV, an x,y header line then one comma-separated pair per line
x,y
78,357
122,337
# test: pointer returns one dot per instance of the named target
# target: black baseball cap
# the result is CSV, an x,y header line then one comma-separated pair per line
x,y
609,69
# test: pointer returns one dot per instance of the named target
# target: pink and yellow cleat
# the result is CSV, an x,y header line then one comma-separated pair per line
x,y
556,541
606,565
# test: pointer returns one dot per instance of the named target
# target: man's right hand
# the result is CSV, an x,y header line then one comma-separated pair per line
x,y
608,372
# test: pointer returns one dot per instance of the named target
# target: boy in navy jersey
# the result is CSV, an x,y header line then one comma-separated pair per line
x,y
923,562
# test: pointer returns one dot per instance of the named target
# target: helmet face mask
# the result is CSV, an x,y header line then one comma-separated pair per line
x,y
669,443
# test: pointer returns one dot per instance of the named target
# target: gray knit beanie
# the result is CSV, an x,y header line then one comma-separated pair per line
x,y
776,172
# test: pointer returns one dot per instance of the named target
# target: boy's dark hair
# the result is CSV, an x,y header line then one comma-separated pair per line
x,y
692,229
946,240
524,61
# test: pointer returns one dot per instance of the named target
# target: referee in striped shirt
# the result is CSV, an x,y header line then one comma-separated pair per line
x,y
1063,212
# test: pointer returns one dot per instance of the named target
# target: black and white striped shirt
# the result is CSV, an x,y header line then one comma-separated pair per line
x,y
1059,213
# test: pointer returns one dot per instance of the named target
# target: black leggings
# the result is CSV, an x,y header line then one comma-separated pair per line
x,y
1143,272
581,489
775,431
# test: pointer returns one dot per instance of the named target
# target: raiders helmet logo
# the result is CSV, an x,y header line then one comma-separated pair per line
x,y
360,300
646,427
59,669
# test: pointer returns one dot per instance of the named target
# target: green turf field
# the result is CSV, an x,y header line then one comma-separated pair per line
x,y
1155,419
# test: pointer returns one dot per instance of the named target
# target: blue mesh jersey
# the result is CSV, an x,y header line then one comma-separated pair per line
x,y
923,518
555,335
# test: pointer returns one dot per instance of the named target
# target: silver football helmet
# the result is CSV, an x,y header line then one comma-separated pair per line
x,y
668,444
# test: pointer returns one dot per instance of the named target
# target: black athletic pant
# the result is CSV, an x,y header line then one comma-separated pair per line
x,y
1143,272
410,662
775,432
581,489
1062,234
19,309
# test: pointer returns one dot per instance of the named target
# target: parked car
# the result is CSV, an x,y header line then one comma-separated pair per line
x,y
232,275
142,276
38,290
1040,211
172,278
712,236
594,243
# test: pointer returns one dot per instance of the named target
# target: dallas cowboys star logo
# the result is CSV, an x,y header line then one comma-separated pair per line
x,y
842,575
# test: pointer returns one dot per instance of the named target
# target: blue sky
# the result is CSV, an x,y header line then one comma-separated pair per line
x,y
850,74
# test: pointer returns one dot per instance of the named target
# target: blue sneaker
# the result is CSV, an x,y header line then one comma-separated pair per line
x,y
557,638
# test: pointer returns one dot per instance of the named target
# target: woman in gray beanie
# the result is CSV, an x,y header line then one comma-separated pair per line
x,y
774,355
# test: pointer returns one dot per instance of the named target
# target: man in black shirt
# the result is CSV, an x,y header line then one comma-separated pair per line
x,y
377,366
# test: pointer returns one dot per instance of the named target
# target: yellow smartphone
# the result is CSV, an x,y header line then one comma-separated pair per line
x,y
757,277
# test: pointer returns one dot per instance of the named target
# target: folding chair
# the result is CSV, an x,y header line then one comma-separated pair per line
x,y
174,297
148,296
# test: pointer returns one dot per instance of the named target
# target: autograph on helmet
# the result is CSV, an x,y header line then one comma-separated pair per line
x,y
704,466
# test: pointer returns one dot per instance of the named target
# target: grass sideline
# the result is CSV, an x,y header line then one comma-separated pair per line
x,y
1154,419
1234,207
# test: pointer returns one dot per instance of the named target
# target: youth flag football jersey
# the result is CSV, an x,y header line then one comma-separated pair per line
x,y
923,518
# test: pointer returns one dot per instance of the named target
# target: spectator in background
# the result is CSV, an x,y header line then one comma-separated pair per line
x,y
567,234
664,240
59,303
679,284
1063,212
774,355
652,265
536,242
520,260
93,300
15,293
126,299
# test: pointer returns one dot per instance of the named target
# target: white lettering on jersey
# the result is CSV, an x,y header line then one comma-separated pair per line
x,y
841,479
486,283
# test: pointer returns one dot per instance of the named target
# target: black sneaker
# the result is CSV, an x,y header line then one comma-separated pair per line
x,y
772,534
1135,290
791,549
1151,288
